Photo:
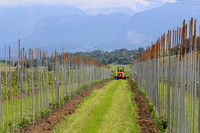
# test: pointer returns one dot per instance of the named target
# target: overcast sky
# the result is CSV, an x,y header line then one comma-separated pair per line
x,y
86,4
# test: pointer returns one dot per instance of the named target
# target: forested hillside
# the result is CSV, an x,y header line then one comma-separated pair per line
x,y
119,56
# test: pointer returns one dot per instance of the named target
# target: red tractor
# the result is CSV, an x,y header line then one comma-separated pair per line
x,y
121,74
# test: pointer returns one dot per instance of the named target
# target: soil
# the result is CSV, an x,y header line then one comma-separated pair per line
x,y
145,120
47,124
8,68
24,95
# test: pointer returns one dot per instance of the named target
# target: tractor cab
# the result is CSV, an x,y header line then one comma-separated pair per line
x,y
121,73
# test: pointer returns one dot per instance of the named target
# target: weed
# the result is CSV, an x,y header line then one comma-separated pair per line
x,y
160,121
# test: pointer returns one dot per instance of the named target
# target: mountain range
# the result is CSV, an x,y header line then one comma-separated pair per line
x,y
71,29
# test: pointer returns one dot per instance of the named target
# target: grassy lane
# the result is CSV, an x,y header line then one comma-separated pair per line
x,y
106,110
120,116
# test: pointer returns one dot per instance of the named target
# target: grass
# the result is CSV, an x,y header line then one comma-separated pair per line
x,y
18,108
14,82
106,110
2,64
197,109
29,98
126,68
197,106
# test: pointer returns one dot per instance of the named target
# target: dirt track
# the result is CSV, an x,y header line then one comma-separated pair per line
x,y
54,118
144,117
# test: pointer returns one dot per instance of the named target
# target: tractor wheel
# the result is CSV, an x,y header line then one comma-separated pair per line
x,y
124,77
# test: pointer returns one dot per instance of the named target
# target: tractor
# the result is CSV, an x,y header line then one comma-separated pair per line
x,y
121,73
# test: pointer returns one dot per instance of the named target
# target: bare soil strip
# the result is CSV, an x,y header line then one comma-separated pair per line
x,y
47,124
145,120
8,68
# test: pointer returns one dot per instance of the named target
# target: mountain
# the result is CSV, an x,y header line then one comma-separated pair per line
x,y
58,27
18,22
148,26
72,29
109,11
86,32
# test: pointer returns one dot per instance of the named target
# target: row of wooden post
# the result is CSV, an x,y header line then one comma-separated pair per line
x,y
43,83
169,72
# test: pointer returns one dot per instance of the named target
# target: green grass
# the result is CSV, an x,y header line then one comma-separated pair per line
x,y
126,68
197,106
106,110
197,109
29,98
2,64
18,109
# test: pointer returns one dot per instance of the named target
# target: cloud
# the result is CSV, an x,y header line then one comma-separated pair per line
x,y
134,37
77,3
170,1
83,4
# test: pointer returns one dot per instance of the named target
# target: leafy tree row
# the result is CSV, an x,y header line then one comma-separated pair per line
x,y
119,56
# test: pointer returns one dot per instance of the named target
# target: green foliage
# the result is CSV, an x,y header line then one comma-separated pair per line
x,y
44,113
56,105
49,67
160,121
119,56
66,98
24,123
140,49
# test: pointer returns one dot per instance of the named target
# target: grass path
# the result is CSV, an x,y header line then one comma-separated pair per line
x,y
106,110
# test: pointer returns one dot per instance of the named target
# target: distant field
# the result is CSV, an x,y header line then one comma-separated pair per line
x,y
8,68
2,64
126,68
3,67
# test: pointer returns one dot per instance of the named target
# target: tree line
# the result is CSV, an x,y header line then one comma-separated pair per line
x,y
118,56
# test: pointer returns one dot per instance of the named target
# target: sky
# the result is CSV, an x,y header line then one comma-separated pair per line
x,y
136,5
